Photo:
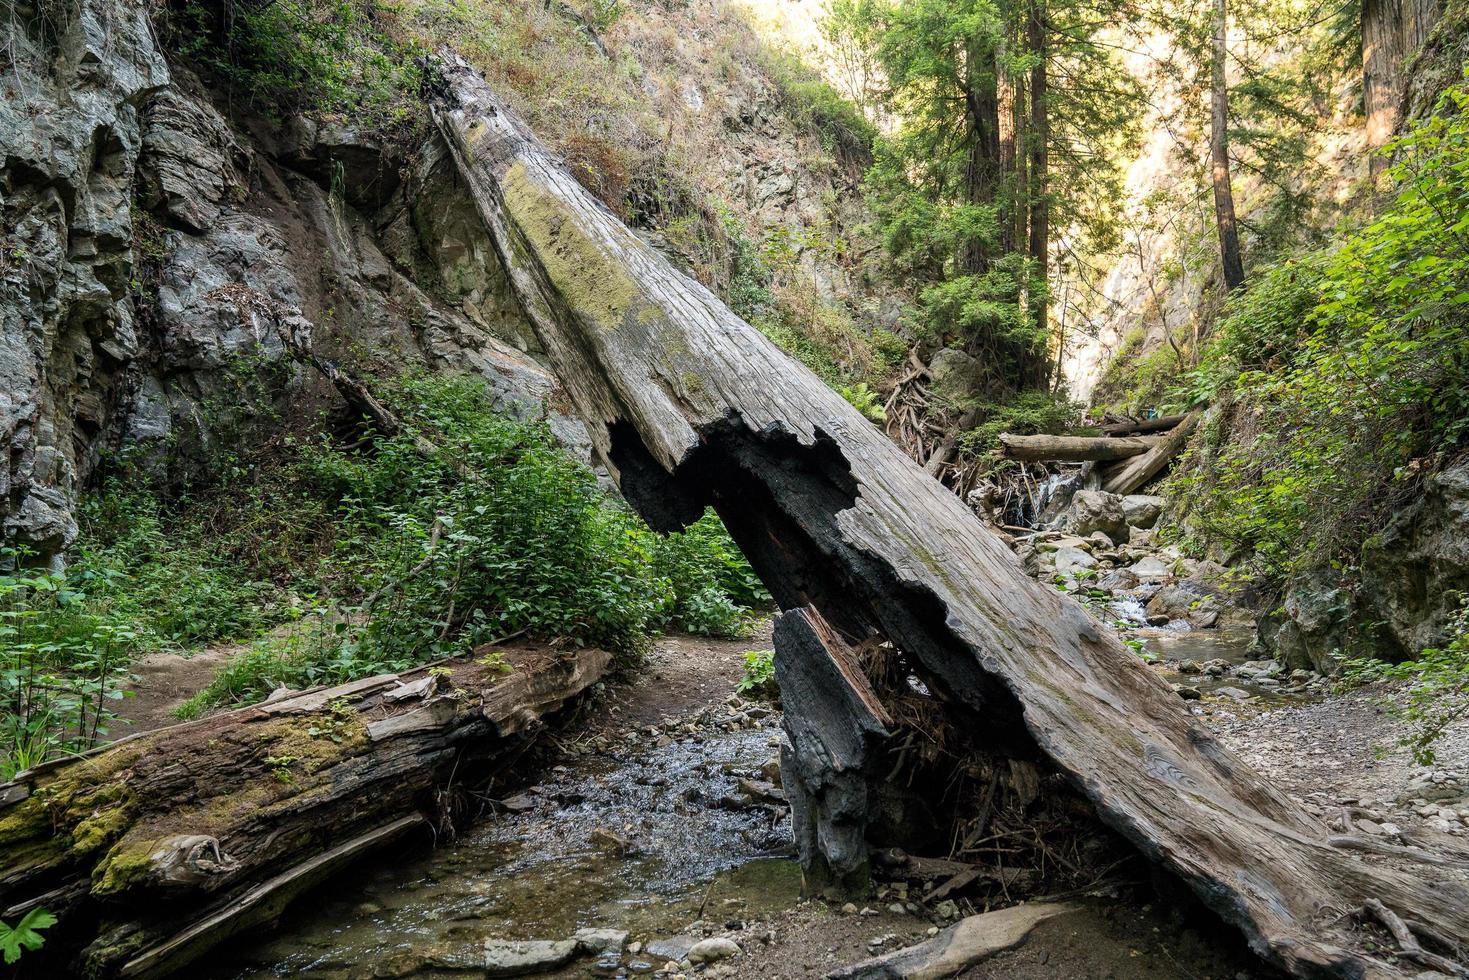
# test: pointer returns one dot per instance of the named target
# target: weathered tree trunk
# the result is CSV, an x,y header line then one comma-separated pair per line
x,y
1229,260
690,406
157,847
1137,472
829,770
1392,32
1074,448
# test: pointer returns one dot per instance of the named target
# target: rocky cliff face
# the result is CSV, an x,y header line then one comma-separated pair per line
x,y
152,242
143,233
1413,580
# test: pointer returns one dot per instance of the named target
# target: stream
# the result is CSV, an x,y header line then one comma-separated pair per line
x,y
638,840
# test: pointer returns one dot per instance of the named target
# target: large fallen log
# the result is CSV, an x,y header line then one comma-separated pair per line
x,y
1074,448
155,848
1137,472
690,406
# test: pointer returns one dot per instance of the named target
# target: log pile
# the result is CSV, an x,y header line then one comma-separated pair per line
x,y
1136,455
691,406
157,847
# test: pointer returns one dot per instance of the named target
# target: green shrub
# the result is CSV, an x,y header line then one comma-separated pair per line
x,y
714,587
319,648
1347,371
165,570
299,55
758,679
63,660
499,533
1027,413
1436,692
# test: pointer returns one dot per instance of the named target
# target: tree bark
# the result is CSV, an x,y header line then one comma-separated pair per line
x,y
1074,448
836,740
1161,424
1038,142
155,848
1229,259
983,165
1392,33
690,406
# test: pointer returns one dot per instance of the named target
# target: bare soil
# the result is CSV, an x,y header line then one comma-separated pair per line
x,y
679,675
165,680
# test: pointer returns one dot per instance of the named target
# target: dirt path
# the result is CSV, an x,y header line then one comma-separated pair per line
x,y
680,675
1343,752
165,680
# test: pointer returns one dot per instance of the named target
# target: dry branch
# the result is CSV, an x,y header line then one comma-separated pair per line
x,y
1160,424
1135,474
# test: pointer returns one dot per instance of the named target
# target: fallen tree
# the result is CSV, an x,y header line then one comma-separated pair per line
x,y
1141,426
1073,448
155,848
690,406
1135,473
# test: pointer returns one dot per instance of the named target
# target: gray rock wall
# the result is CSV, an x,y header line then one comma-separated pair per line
x,y
1413,579
141,231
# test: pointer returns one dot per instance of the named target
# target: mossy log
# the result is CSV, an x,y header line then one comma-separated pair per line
x,y
162,844
690,406
1074,448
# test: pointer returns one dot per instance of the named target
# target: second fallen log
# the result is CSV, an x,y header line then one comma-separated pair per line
x,y
1074,449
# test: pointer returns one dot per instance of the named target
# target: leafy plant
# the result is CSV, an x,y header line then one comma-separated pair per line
x,y
62,664
1344,373
25,934
759,675
1436,689
499,533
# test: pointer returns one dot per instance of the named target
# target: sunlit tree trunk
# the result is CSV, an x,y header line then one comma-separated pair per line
x,y
1392,32
1037,145
1234,272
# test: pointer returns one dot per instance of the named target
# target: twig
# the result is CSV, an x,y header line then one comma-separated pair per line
x,y
1408,946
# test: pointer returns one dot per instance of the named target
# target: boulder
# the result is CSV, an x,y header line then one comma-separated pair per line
x,y
1119,580
600,940
516,958
1316,625
1142,510
1415,568
1059,541
674,948
713,950
955,374
1150,569
1096,510
1072,560
1189,600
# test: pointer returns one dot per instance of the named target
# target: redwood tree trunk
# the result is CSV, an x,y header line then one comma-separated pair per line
x,y
690,406
1234,272
1038,142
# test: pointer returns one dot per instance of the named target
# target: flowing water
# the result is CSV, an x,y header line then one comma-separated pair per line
x,y
646,841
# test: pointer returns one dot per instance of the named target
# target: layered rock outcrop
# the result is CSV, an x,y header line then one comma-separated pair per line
x,y
143,231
